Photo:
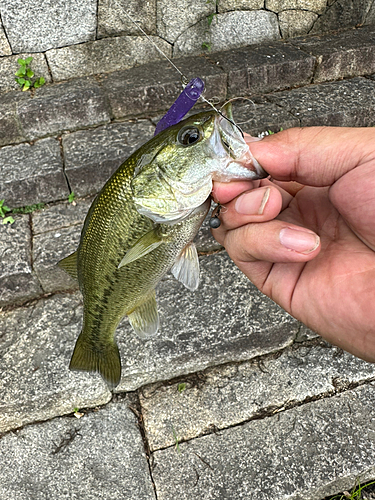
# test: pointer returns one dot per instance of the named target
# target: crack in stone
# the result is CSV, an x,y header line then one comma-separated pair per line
x,y
48,66
278,24
30,302
63,163
136,408
5,33
84,411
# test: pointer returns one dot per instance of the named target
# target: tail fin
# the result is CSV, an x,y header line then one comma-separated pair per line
x,y
103,358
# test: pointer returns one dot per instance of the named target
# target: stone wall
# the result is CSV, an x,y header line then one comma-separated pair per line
x,y
85,37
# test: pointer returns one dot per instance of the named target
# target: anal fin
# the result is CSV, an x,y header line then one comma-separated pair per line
x,y
145,318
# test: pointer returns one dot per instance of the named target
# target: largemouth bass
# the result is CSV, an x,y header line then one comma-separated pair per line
x,y
142,224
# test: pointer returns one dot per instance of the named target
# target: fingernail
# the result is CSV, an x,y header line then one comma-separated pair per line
x,y
253,202
300,240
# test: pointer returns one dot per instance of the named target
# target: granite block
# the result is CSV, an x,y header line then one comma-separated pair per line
x,y
38,26
343,55
154,87
173,18
349,103
265,68
258,116
32,173
306,453
67,106
296,22
99,456
104,56
342,14
228,31
18,283
112,20
11,131
229,395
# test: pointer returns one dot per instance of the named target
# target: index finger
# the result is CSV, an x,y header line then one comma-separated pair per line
x,y
314,156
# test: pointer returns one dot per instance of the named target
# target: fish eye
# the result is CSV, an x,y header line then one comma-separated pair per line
x,y
188,136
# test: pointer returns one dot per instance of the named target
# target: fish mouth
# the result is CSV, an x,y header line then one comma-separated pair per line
x,y
230,145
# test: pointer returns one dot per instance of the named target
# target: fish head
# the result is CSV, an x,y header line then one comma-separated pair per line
x,y
175,169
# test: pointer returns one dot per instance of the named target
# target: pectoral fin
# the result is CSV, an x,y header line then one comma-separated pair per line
x,y
144,245
186,267
69,264
145,318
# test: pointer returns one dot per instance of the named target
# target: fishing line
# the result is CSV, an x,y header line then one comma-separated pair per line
x,y
240,99
184,79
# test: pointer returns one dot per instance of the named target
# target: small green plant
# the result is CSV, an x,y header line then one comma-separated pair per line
x,y
8,220
176,440
207,45
210,18
269,132
356,494
181,387
3,211
24,75
71,197
3,208
28,209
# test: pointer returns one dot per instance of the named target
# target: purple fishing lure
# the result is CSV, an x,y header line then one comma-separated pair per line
x,y
182,105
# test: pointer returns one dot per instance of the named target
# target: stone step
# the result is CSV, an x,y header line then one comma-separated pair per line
x,y
226,396
309,452
152,87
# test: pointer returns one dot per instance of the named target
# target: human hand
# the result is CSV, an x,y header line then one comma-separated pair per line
x,y
306,238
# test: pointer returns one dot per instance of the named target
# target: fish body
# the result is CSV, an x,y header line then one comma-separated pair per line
x,y
142,224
